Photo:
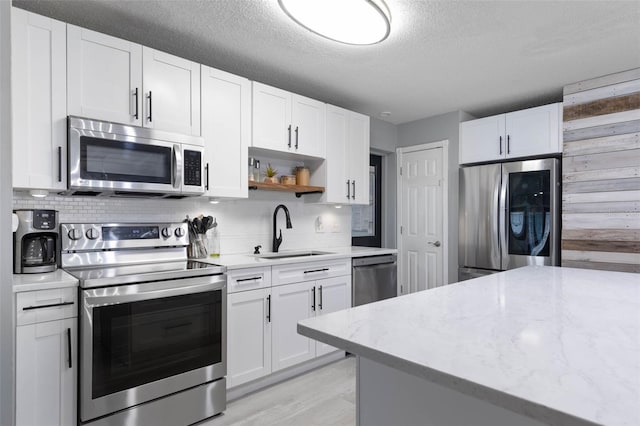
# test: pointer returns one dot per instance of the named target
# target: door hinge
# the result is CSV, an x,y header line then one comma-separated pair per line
x,y
401,289
400,171
401,228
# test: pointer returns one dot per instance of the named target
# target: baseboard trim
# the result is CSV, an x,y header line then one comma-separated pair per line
x,y
282,375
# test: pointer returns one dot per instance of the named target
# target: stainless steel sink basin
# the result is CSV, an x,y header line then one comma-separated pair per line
x,y
292,254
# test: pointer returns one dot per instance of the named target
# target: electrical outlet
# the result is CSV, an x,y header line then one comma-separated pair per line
x,y
335,225
319,225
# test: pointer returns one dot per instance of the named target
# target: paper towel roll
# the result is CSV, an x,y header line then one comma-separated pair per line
x,y
14,222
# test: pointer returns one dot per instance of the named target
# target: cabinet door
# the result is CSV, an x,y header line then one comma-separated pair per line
x,y
226,129
333,294
308,120
45,375
337,150
358,158
482,139
39,102
272,118
533,131
248,336
171,92
291,303
104,74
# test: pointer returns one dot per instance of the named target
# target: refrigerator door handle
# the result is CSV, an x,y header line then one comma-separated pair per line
x,y
502,221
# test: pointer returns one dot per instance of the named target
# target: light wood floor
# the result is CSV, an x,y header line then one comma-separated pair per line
x,y
325,396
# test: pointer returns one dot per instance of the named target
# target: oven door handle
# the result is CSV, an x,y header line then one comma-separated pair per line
x,y
148,291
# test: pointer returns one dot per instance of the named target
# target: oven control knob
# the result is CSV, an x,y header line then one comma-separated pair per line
x,y
179,232
92,233
74,234
166,232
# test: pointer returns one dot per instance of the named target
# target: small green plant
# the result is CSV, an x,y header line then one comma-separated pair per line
x,y
270,171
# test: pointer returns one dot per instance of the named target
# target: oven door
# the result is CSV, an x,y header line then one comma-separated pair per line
x,y
144,341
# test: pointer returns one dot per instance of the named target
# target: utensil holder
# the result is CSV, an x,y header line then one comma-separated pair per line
x,y
197,248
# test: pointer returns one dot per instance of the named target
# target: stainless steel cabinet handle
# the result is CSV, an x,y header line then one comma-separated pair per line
x,y
348,189
320,301
508,144
150,102
59,164
135,94
313,291
289,130
52,305
500,145
353,183
69,347
297,134
269,308
437,243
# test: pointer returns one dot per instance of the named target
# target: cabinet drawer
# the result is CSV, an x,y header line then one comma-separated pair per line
x,y
248,279
46,305
293,273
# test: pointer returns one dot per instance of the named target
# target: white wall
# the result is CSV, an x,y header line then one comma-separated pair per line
x,y
433,129
6,249
243,224
383,140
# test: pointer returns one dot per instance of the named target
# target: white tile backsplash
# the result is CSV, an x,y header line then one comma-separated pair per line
x,y
243,224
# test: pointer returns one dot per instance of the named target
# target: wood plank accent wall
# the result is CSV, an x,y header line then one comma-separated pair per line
x,y
601,173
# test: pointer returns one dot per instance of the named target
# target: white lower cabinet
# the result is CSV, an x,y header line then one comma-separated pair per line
x,y
292,303
46,372
262,322
248,336
333,294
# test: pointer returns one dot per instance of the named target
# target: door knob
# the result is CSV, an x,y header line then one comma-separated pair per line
x,y
437,243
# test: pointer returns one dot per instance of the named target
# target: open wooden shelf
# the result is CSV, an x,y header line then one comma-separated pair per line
x,y
300,190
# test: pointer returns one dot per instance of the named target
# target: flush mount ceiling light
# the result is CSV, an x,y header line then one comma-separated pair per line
x,y
347,21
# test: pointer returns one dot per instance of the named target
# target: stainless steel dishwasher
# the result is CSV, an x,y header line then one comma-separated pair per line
x,y
373,278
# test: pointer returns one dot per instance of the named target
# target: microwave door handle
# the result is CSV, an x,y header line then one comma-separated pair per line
x,y
177,166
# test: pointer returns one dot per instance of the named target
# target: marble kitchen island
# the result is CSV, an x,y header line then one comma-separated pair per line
x,y
530,346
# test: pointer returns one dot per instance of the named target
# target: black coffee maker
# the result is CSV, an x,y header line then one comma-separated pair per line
x,y
36,242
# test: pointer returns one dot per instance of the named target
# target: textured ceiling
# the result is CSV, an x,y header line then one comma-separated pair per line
x,y
483,57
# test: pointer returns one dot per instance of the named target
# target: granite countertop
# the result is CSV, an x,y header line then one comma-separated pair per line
x,y
240,261
560,345
44,281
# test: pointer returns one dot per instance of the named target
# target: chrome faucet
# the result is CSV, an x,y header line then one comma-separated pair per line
x,y
277,241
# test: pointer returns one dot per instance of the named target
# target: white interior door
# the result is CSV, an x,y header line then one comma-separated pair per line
x,y
422,242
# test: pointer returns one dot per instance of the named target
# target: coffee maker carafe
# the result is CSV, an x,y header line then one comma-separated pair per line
x,y
35,242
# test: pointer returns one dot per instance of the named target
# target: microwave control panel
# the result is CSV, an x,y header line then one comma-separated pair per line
x,y
192,167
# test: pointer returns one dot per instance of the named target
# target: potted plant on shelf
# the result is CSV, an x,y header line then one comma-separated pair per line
x,y
270,174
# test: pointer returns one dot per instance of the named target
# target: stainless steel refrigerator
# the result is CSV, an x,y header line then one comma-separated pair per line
x,y
509,216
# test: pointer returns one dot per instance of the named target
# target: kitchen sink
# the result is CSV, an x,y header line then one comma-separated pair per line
x,y
292,254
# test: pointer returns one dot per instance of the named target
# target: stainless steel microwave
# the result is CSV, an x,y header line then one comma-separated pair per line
x,y
115,159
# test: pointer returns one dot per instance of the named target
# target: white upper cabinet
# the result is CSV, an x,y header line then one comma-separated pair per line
x,y
38,65
347,165
534,131
286,122
308,122
116,80
530,132
226,129
104,77
171,91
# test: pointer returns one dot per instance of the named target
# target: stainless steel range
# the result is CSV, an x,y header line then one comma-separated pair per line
x,y
152,325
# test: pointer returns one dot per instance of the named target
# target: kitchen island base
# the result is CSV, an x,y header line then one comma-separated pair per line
x,y
387,396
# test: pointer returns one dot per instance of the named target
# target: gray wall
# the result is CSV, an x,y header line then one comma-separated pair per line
x,y
6,238
384,139
434,129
